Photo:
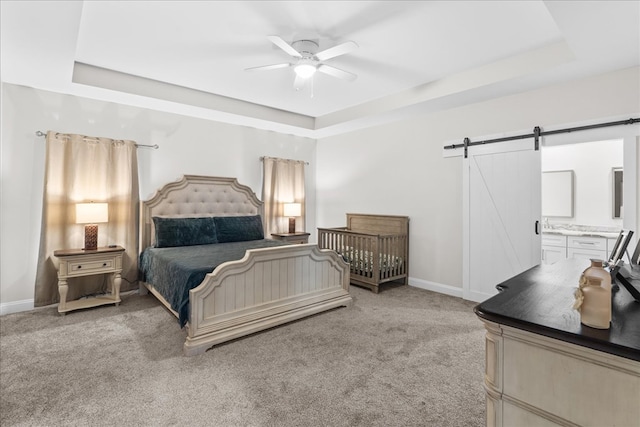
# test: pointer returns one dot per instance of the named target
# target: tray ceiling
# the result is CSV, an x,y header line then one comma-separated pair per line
x,y
412,56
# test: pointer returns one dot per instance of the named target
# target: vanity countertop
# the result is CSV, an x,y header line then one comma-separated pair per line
x,y
582,230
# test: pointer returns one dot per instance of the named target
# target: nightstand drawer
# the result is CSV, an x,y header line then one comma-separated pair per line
x,y
297,241
98,266
295,238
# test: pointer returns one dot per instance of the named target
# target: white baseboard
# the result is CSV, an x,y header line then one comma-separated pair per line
x,y
16,306
28,304
436,287
478,296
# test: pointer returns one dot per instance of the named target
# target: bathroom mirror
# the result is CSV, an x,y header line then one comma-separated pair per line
x,y
557,194
618,210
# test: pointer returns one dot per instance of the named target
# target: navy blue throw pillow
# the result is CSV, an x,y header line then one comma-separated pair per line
x,y
172,232
239,228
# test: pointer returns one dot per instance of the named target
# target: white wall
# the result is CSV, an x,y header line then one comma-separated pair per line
x,y
396,168
592,163
399,168
187,146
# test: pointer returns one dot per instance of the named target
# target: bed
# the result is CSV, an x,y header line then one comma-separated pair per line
x,y
256,284
375,246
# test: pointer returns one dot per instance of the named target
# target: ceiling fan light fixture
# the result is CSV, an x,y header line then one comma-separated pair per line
x,y
305,70
308,60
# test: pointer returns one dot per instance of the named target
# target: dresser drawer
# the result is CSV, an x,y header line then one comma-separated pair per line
x,y
594,243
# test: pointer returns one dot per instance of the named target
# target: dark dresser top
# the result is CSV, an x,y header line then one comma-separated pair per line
x,y
539,300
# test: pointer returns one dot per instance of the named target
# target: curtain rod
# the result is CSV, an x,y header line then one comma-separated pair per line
x,y
538,133
154,146
288,160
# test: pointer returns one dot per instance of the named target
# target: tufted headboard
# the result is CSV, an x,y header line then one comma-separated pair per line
x,y
197,196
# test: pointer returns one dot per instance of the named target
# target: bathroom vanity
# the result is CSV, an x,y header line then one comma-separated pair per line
x,y
574,241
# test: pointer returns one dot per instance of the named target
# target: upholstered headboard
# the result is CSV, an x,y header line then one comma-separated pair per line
x,y
197,196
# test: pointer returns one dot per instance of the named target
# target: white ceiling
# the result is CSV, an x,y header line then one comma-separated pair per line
x,y
190,56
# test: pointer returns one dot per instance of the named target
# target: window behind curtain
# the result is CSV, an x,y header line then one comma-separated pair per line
x,y
82,169
283,182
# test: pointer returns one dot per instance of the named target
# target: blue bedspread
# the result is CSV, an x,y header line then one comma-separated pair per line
x,y
174,271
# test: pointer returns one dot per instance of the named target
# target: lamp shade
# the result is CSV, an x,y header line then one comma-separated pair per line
x,y
292,209
92,213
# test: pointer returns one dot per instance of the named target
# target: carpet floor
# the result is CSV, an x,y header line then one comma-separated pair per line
x,y
403,357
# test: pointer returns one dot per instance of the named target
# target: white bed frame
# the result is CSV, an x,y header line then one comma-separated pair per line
x,y
266,288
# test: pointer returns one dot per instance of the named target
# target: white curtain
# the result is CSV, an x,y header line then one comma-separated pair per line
x,y
83,169
283,182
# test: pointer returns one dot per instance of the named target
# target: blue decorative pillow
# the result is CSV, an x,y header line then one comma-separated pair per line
x,y
239,228
184,231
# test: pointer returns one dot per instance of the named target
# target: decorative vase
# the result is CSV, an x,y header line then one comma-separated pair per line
x,y
593,296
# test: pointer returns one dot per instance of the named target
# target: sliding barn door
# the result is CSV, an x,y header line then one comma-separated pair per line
x,y
501,215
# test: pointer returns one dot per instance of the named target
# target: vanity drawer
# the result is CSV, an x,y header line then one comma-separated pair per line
x,y
582,242
554,240
586,254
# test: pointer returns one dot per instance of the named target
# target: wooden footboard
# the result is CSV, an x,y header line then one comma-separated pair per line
x,y
266,288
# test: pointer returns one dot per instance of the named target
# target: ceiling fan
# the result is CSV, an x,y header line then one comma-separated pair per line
x,y
309,60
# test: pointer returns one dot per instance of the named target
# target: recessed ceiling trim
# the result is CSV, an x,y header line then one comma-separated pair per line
x,y
515,66
91,75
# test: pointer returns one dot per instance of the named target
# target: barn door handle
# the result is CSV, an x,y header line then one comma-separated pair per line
x,y
537,227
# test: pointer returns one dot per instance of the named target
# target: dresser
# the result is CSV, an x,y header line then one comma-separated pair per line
x,y
544,368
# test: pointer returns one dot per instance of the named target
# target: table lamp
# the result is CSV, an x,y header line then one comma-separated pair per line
x,y
91,214
292,210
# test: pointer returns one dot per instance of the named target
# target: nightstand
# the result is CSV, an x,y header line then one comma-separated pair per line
x,y
291,237
79,263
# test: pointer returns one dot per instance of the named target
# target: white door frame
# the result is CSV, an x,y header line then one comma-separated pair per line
x,y
630,134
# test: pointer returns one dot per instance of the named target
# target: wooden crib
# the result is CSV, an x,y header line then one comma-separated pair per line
x,y
375,246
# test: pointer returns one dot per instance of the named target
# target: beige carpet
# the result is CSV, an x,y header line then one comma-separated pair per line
x,y
404,357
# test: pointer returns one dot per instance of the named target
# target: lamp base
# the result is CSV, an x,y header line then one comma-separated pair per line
x,y
90,237
292,225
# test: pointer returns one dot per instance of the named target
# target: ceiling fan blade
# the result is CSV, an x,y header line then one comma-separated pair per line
x,y
338,50
269,67
284,46
337,72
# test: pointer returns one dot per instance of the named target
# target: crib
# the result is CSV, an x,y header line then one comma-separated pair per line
x,y
375,246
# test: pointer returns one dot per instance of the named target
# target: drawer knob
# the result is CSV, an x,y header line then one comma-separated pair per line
x,y
104,264
79,267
